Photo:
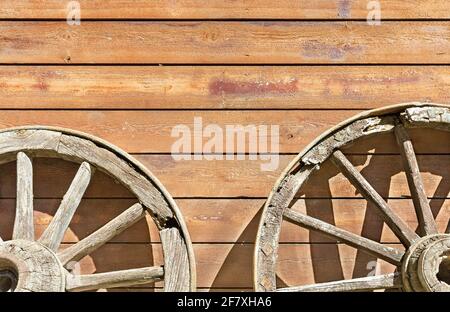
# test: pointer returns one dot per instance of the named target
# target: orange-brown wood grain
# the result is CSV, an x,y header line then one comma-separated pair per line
x,y
225,42
220,87
229,9
150,131
218,264
239,178
228,220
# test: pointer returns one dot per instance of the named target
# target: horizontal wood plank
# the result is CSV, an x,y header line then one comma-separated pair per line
x,y
151,131
219,264
225,42
239,178
216,9
220,87
181,178
384,172
228,220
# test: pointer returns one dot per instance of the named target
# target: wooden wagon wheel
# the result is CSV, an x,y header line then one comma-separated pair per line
x,y
37,264
419,264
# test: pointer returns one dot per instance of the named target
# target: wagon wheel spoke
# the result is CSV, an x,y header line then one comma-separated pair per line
x,y
388,254
124,278
427,224
54,233
387,281
397,225
23,223
104,234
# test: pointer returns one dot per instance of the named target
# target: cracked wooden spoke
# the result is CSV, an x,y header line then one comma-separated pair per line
x,y
54,233
397,225
388,254
387,281
124,278
427,224
102,235
23,222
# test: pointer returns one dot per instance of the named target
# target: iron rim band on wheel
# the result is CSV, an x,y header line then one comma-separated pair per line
x,y
417,266
37,264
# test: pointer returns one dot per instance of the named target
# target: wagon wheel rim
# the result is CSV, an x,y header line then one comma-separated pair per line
x,y
418,266
36,264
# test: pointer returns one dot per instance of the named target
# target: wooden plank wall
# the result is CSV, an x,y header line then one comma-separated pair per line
x,y
134,69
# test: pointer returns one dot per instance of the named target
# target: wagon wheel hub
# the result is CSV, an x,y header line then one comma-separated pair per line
x,y
426,265
29,266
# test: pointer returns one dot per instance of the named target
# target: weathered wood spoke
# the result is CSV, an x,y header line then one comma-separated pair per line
x,y
397,225
387,281
113,228
124,278
388,254
54,233
23,223
427,224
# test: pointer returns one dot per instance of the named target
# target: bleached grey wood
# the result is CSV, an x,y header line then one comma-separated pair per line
x,y
54,233
381,251
113,228
40,142
124,278
429,266
269,232
397,225
436,117
358,129
387,281
177,275
23,222
36,268
427,224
